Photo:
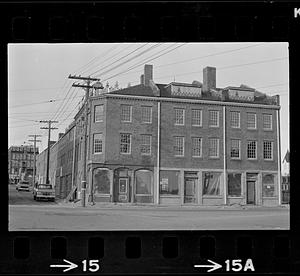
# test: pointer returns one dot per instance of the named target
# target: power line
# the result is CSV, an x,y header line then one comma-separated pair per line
x,y
133,67
93,60
130,59
101,69
227,67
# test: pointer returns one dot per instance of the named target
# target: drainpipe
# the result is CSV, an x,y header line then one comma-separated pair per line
x,y
158,151
278,156
224,155
73,161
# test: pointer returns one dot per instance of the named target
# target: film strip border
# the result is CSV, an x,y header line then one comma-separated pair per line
x,y
152,252
150,21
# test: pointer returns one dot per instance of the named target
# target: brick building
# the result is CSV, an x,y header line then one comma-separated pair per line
x,y
21,162
183,143
180,143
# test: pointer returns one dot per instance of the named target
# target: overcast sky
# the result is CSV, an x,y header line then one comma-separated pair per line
x,y
38,73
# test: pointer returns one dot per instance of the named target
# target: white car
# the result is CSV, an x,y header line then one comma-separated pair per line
x,y
23,186
43,191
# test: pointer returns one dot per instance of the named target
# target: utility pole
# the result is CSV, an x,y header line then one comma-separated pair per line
x,y
87,86
34,154
48,153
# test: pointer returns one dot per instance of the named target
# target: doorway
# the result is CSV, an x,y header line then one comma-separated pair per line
x,y
190,180
123,190
251,192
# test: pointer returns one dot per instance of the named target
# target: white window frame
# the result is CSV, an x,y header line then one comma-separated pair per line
x,y
252,158
272,150
209,118
175,145
147,145
232,120
130,143
271,122
94,143
183,116
217,149
201,113
98,105
201,139
130,113
239,141
252,113
143,107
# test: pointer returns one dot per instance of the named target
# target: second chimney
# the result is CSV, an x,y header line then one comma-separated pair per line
x,y
148,74
209,79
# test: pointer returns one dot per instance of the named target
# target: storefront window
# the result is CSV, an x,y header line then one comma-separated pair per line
x,y
268,182
101,181
169,182
211,183
234,184
143,180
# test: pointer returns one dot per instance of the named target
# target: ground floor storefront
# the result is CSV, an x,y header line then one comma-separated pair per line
x,y
173,186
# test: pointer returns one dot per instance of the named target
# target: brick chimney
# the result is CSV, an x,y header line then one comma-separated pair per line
x,y
142,79
209,78
148,74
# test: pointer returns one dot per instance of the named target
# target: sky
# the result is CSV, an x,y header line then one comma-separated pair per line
x,y
39,87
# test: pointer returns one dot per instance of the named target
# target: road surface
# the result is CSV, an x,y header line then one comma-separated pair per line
x,y
25,214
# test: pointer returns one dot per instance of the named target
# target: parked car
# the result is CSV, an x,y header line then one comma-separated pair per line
x,y
22,186
43,191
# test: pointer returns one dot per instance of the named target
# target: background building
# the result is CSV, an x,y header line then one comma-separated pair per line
x,y
21,163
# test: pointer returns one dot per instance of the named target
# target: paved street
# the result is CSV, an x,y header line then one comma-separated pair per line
x,y
25,214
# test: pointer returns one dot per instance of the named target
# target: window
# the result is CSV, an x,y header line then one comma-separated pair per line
x,y
267,121
197,146
251,120
268,182
98,142
101,181
146,114
143,180
179,146
234,184
235,150
211,183
214,118
196,117
169,182
126,111
235,119
213,150
125,143
145,144
98,113
251,150
179,116
268,150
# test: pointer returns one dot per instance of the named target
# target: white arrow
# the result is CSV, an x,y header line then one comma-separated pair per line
x,y
69,266
214,266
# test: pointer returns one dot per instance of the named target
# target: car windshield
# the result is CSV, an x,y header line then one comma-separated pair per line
x,y
44,186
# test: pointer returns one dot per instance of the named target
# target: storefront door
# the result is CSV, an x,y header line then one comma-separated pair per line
x,y
189,190
123,190
250,192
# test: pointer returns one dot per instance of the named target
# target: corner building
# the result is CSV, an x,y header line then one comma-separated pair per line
x,y
183,143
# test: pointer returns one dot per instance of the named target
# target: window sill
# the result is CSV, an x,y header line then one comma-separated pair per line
x,y
164,195
143,195
196,125
178,125
269,160
237,197
179,156
251,129
268,130
252,159
235,159
213,126
98,121
146,123
98,153
270,197
212,196
239,128
213,157
197,157
122,153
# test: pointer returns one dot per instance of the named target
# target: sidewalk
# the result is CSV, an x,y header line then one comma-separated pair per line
x,y
110,205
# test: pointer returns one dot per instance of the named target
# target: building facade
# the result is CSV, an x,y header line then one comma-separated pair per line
x,y
21,163
184,143
179,143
